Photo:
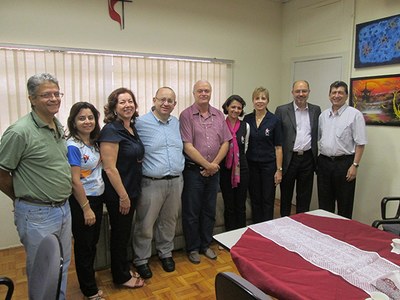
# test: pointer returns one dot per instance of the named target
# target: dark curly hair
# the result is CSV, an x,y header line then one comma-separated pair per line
x,y
75,109
109,108
230,100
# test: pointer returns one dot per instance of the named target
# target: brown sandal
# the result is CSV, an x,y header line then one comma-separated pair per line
x,y
138,281
98,296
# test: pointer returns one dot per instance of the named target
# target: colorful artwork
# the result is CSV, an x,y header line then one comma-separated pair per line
x,y
377,98
378,42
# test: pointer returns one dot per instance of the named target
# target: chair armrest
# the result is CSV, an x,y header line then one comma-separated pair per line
x,y
377,223
10,285
385,201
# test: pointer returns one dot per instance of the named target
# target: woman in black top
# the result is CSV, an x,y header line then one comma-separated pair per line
x,y
264,156
122,153
234,172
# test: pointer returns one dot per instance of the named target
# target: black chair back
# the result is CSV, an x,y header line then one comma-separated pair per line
x,y
230,286
388,222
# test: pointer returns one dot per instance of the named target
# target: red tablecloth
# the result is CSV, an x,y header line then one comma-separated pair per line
x,y
286,275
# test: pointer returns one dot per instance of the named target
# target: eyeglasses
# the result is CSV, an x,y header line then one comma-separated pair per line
x,y
57,95
167,100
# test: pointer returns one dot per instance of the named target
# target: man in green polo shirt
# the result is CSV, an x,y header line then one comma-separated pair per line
x,y
35,174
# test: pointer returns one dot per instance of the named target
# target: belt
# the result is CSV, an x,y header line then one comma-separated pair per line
x,y
301,152
337,158
44,203
192,165
168,177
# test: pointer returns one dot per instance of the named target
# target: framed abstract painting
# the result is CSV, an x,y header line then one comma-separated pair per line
x,y
378,42
377,97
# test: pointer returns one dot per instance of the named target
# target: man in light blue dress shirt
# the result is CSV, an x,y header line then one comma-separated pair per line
x,y
160,201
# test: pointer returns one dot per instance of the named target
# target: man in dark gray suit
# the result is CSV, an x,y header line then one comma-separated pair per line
x,y
299,121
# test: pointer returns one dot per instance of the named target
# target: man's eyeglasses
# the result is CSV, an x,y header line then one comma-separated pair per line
x,y
57,95
166,100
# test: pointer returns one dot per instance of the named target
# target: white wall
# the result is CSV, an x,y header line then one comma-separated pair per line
x,y
381,160
315,28
247,31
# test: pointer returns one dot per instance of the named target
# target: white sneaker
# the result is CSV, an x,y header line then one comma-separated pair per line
x,y
194,257
210,253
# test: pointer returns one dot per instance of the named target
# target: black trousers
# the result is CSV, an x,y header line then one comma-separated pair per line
x,y
300,172
332,184
121,227
262,190
85,241
234,199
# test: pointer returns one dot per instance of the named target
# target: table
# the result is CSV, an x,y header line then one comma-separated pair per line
x,y
229,238
286,275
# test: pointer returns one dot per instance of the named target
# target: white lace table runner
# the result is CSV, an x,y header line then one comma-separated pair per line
x,y
358,267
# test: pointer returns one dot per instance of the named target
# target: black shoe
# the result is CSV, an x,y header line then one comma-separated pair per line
x,y
144,271
168,264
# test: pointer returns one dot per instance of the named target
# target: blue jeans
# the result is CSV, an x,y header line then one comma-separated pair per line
x,y
34,222
199,198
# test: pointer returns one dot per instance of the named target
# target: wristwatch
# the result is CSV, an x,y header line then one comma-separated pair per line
x,y
355,164
279,169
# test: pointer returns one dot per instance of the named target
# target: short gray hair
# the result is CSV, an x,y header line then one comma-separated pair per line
x,y
36,80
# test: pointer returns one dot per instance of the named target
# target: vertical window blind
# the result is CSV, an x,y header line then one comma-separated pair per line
x,y
91,76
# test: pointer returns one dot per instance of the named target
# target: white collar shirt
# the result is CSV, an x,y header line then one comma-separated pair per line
x,y
303,129
340,131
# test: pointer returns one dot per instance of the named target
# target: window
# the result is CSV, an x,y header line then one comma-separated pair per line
x,y
88,75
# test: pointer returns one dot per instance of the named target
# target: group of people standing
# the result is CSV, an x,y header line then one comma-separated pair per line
x,y
287,148
157,165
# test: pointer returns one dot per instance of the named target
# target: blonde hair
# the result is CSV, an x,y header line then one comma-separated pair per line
x,y
260,90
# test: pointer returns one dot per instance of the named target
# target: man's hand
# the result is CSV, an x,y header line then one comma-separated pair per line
x,y
211,170
351,173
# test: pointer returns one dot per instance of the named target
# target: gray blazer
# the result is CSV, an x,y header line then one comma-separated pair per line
x,y
288,120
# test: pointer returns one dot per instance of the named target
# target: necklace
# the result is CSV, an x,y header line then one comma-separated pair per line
x,y
260,118
87,142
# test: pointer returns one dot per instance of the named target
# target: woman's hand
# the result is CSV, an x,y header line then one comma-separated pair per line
x,y
89,216
278,177
124,205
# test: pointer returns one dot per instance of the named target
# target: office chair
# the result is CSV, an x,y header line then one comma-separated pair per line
x,y
389,223
10,285
230,286
45,279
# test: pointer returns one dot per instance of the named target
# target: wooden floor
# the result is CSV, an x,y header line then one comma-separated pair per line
x,y
188,281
